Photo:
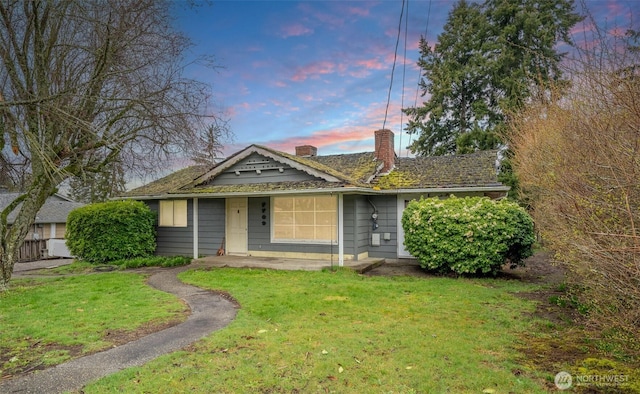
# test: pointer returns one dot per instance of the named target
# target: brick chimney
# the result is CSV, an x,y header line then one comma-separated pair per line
x,y
306,150
385,150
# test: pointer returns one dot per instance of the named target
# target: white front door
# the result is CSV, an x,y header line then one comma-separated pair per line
x,y
236,226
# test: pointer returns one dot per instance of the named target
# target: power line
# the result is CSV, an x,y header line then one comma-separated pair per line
x,y
395,56
404,72
415,101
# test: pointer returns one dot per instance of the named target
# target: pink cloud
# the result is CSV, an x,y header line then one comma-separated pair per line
x,y
372,64
313,70
618,32
260,64
280,84
358,11
323,138
306,97
616,8
350,137
361,73
295,30
345,138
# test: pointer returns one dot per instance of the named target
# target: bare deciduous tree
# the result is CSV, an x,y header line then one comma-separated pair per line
x,y
83,83
578,160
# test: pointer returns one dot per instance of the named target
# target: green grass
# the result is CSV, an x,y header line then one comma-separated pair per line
x,y
83,267
46,321
346,333
153,261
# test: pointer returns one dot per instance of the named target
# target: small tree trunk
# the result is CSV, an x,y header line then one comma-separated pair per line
x,y
7,262
12,237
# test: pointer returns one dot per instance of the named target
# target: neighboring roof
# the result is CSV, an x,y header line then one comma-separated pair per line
x,y
55,209
359,171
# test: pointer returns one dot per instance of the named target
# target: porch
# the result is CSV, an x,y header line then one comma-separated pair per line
x,y
360,266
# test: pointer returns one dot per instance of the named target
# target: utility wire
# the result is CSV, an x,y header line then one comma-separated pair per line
x,y
415,101
404,72
395,57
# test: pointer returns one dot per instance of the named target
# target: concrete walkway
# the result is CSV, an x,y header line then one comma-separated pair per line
x,y
209,312
279,263
40,264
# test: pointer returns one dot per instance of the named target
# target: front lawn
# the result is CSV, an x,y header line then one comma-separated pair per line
x,y
343,332
47,321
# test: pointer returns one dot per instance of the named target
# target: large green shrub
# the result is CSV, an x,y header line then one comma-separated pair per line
x,y
467,235
109,231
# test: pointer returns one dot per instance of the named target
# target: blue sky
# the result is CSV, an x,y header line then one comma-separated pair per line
x,y
318,72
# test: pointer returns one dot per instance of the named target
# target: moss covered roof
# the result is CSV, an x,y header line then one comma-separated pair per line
x,y
170,183
471,170
357,166
251,188
351,170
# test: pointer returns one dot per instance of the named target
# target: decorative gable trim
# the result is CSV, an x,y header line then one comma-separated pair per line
x,y
230,162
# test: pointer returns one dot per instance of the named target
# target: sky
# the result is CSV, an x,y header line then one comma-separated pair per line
x,y
322,72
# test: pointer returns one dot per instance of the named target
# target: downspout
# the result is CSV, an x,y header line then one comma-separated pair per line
x,y
195,228
340,230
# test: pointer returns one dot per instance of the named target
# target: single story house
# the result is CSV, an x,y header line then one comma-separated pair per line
x,y
263,202
46,236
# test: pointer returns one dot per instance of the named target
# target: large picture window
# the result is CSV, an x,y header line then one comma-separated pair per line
x,y
305,219
173,213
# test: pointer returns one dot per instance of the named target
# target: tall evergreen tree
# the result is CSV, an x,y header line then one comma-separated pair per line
x,y
459,100
487,62
523,50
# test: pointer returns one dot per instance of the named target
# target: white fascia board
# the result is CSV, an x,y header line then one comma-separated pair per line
x,y
462,189
343,190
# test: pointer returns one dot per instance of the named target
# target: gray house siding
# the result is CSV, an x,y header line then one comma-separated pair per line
x,y
363,224
387,223
174,241
259,236
357,232
178,241
211,219
349,225
259,169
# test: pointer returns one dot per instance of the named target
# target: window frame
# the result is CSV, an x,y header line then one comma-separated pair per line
x,y
333,226
178,212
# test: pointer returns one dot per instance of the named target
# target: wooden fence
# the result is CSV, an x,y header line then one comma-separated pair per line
x,y
31,250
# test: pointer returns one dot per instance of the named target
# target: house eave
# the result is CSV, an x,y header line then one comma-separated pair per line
x,y
459,189
336,190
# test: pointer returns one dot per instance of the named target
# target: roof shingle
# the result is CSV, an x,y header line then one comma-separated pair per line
x,y
351,170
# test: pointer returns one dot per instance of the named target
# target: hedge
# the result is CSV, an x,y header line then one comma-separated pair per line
x,y
109,231
471,235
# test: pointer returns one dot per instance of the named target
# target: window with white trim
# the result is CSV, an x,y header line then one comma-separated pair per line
x,y
173,213
304,219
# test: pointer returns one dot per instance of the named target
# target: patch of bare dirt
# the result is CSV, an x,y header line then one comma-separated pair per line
x,y
14,363
30,358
